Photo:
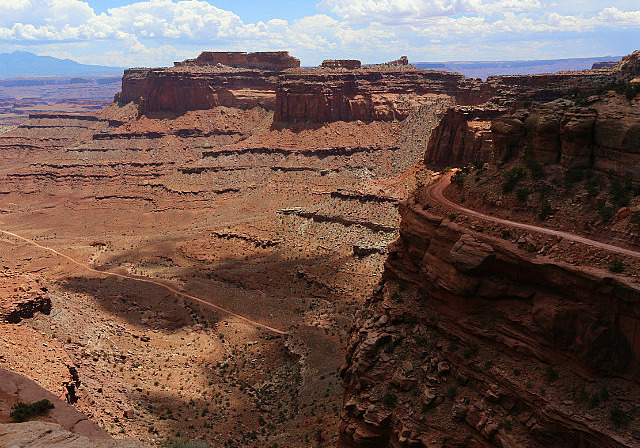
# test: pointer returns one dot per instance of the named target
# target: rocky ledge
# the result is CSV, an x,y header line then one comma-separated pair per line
x,y
470,341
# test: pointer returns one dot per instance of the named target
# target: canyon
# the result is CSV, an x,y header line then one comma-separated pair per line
x,y
194,260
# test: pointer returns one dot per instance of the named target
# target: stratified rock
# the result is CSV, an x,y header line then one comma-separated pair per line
x,y
603,136
469,253
52,435
263,60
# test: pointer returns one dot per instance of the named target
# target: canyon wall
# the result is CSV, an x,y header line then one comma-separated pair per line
x,y
603,135
383,92
462,136
263,60
469,340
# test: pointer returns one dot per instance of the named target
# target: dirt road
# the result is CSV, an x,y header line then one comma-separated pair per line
x,y
146,280
435,192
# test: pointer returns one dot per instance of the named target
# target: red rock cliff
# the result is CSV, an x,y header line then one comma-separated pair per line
x,y
472,341
604,135
264,60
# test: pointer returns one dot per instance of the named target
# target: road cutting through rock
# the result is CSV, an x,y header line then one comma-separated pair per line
x,y
148,281
435,192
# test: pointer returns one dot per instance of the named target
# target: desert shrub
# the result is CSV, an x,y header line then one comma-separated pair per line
x,y
506,234
511,179
452,217
616,266
618,416
478,165
390,399
580,98
573,176
594,400
183,443
630,90
470,351
594,185
22,412
605,212
545,210
620,191
604,393
522,194
535,168
552,374
458,179
507,425
452,391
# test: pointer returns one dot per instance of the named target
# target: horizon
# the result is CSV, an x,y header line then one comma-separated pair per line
x,y
469,61
126,33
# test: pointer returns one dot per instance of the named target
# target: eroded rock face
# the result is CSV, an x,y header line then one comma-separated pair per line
x,y
605,135
462,136
52,435
470,341
263,60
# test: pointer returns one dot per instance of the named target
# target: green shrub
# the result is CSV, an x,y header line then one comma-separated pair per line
x,y
616,266
620,191
22,412
619,417
390,399
470,351
594,400
506,234
182,443
552,374
522,194
452,391
512,177
573,176
545,210
604,393
535,168
507,425
605,212
452,217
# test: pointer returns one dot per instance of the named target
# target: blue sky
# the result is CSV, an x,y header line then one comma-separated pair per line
x,y
158,32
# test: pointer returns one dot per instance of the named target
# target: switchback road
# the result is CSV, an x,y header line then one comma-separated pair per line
x,y
435,192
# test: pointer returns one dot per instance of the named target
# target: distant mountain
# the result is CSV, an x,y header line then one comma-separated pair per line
x,y
22,63
483,69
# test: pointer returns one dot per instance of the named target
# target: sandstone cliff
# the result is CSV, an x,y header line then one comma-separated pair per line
x,y
603,135
462,136
472,341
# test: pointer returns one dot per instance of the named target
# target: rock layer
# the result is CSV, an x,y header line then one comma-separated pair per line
x,y
470,341
604,135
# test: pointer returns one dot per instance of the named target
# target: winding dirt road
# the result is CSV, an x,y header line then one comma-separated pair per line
x,y
146,280
435,192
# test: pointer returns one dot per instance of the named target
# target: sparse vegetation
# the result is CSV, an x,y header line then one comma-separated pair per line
x,y
452,392
551,374
182,443
616,266
522,194
21,412
619,417
470,351
511,179
389,399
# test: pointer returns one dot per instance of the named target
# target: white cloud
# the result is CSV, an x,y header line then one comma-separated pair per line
x,y
156,31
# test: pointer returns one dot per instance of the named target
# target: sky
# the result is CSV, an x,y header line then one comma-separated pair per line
x,y
131,33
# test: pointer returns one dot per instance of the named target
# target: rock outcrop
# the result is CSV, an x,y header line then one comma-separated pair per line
x,y
349,64
462,136
471,341
602,135
52,435
262,60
